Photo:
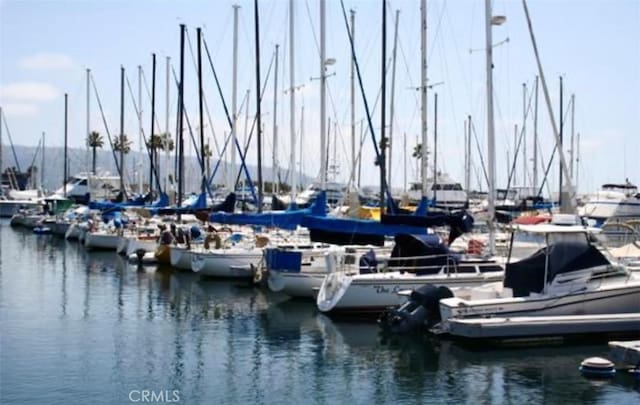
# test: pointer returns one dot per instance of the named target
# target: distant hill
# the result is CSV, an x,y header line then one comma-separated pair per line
x,y
80,161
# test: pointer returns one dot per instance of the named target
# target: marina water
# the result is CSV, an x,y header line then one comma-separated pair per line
x,y
87,327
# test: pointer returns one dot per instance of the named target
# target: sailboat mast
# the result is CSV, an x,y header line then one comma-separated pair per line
x,y
234,99
122,144
140,129
292,102
181,119
153,128
66,168
535,139
323,96
166,117
41,162
467,166
491,152
560,146
393,94
274,164
258,113
201,112
423,96
435,146
88,116
383,111
573,116
524,134
353,101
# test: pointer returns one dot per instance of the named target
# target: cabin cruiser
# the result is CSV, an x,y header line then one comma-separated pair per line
x,y
335,195
84,187
612,201
443,191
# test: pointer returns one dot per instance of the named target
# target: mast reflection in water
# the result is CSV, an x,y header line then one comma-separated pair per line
x,y
83,326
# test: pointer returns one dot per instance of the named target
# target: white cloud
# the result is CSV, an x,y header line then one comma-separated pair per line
x,y
20,109
29,91
47,61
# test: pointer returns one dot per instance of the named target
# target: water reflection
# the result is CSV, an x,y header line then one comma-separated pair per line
x,y
89,325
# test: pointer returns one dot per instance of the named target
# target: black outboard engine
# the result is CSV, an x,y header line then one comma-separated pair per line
x,y
420,311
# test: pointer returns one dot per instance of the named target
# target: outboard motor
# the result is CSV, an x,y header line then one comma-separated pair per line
x,y
420,311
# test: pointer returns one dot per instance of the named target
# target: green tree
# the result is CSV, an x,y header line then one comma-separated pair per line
x,y
94,141
122,145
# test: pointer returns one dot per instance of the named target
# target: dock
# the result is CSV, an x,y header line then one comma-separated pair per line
x,y
625,353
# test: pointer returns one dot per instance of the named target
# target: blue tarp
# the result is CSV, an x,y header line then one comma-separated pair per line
x,y
279,219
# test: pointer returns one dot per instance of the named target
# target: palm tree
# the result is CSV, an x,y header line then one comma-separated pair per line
x,y
94,141
153,144
122,144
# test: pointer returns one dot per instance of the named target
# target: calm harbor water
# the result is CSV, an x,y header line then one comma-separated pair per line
x,y
80,327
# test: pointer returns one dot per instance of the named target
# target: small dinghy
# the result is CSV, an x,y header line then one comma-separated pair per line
x,y
597,367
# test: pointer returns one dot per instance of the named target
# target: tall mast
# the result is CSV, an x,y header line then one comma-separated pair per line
x,y
524,134
491,148
258,113
423,95
122,190
234,99
88,116
323,96
140,128
563,163
578,160
573,116
353,100
383,111
535,140
560,147
41,162
166,115
393,93
201,112
467,167
181,119
274,164
66,168
435,145
292,100
153,114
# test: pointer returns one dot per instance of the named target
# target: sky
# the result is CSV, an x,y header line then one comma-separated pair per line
x,y
594,45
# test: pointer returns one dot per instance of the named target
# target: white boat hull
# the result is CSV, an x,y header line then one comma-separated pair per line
x,y
229,263
375,292
299,285
100,240
180,257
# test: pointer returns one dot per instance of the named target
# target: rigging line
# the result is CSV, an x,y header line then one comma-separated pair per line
x,y
364,98
255,117
484,168
104,121
313,28
13,150
186,116
519,143
146,87
555,148
144,138
204,97
232,132
437,33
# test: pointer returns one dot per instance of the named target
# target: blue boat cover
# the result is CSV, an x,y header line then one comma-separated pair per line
x,y
283,260
289,219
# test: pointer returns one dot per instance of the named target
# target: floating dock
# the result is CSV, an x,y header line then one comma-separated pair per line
x,y
625,353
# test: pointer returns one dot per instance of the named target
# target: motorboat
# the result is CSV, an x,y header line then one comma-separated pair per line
x,y
569,275
613,200
442,190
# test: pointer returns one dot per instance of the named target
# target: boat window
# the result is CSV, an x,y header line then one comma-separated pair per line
x,y
467,269
82,182
490,268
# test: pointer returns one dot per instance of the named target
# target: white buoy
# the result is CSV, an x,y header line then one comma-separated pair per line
x,y
597,367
